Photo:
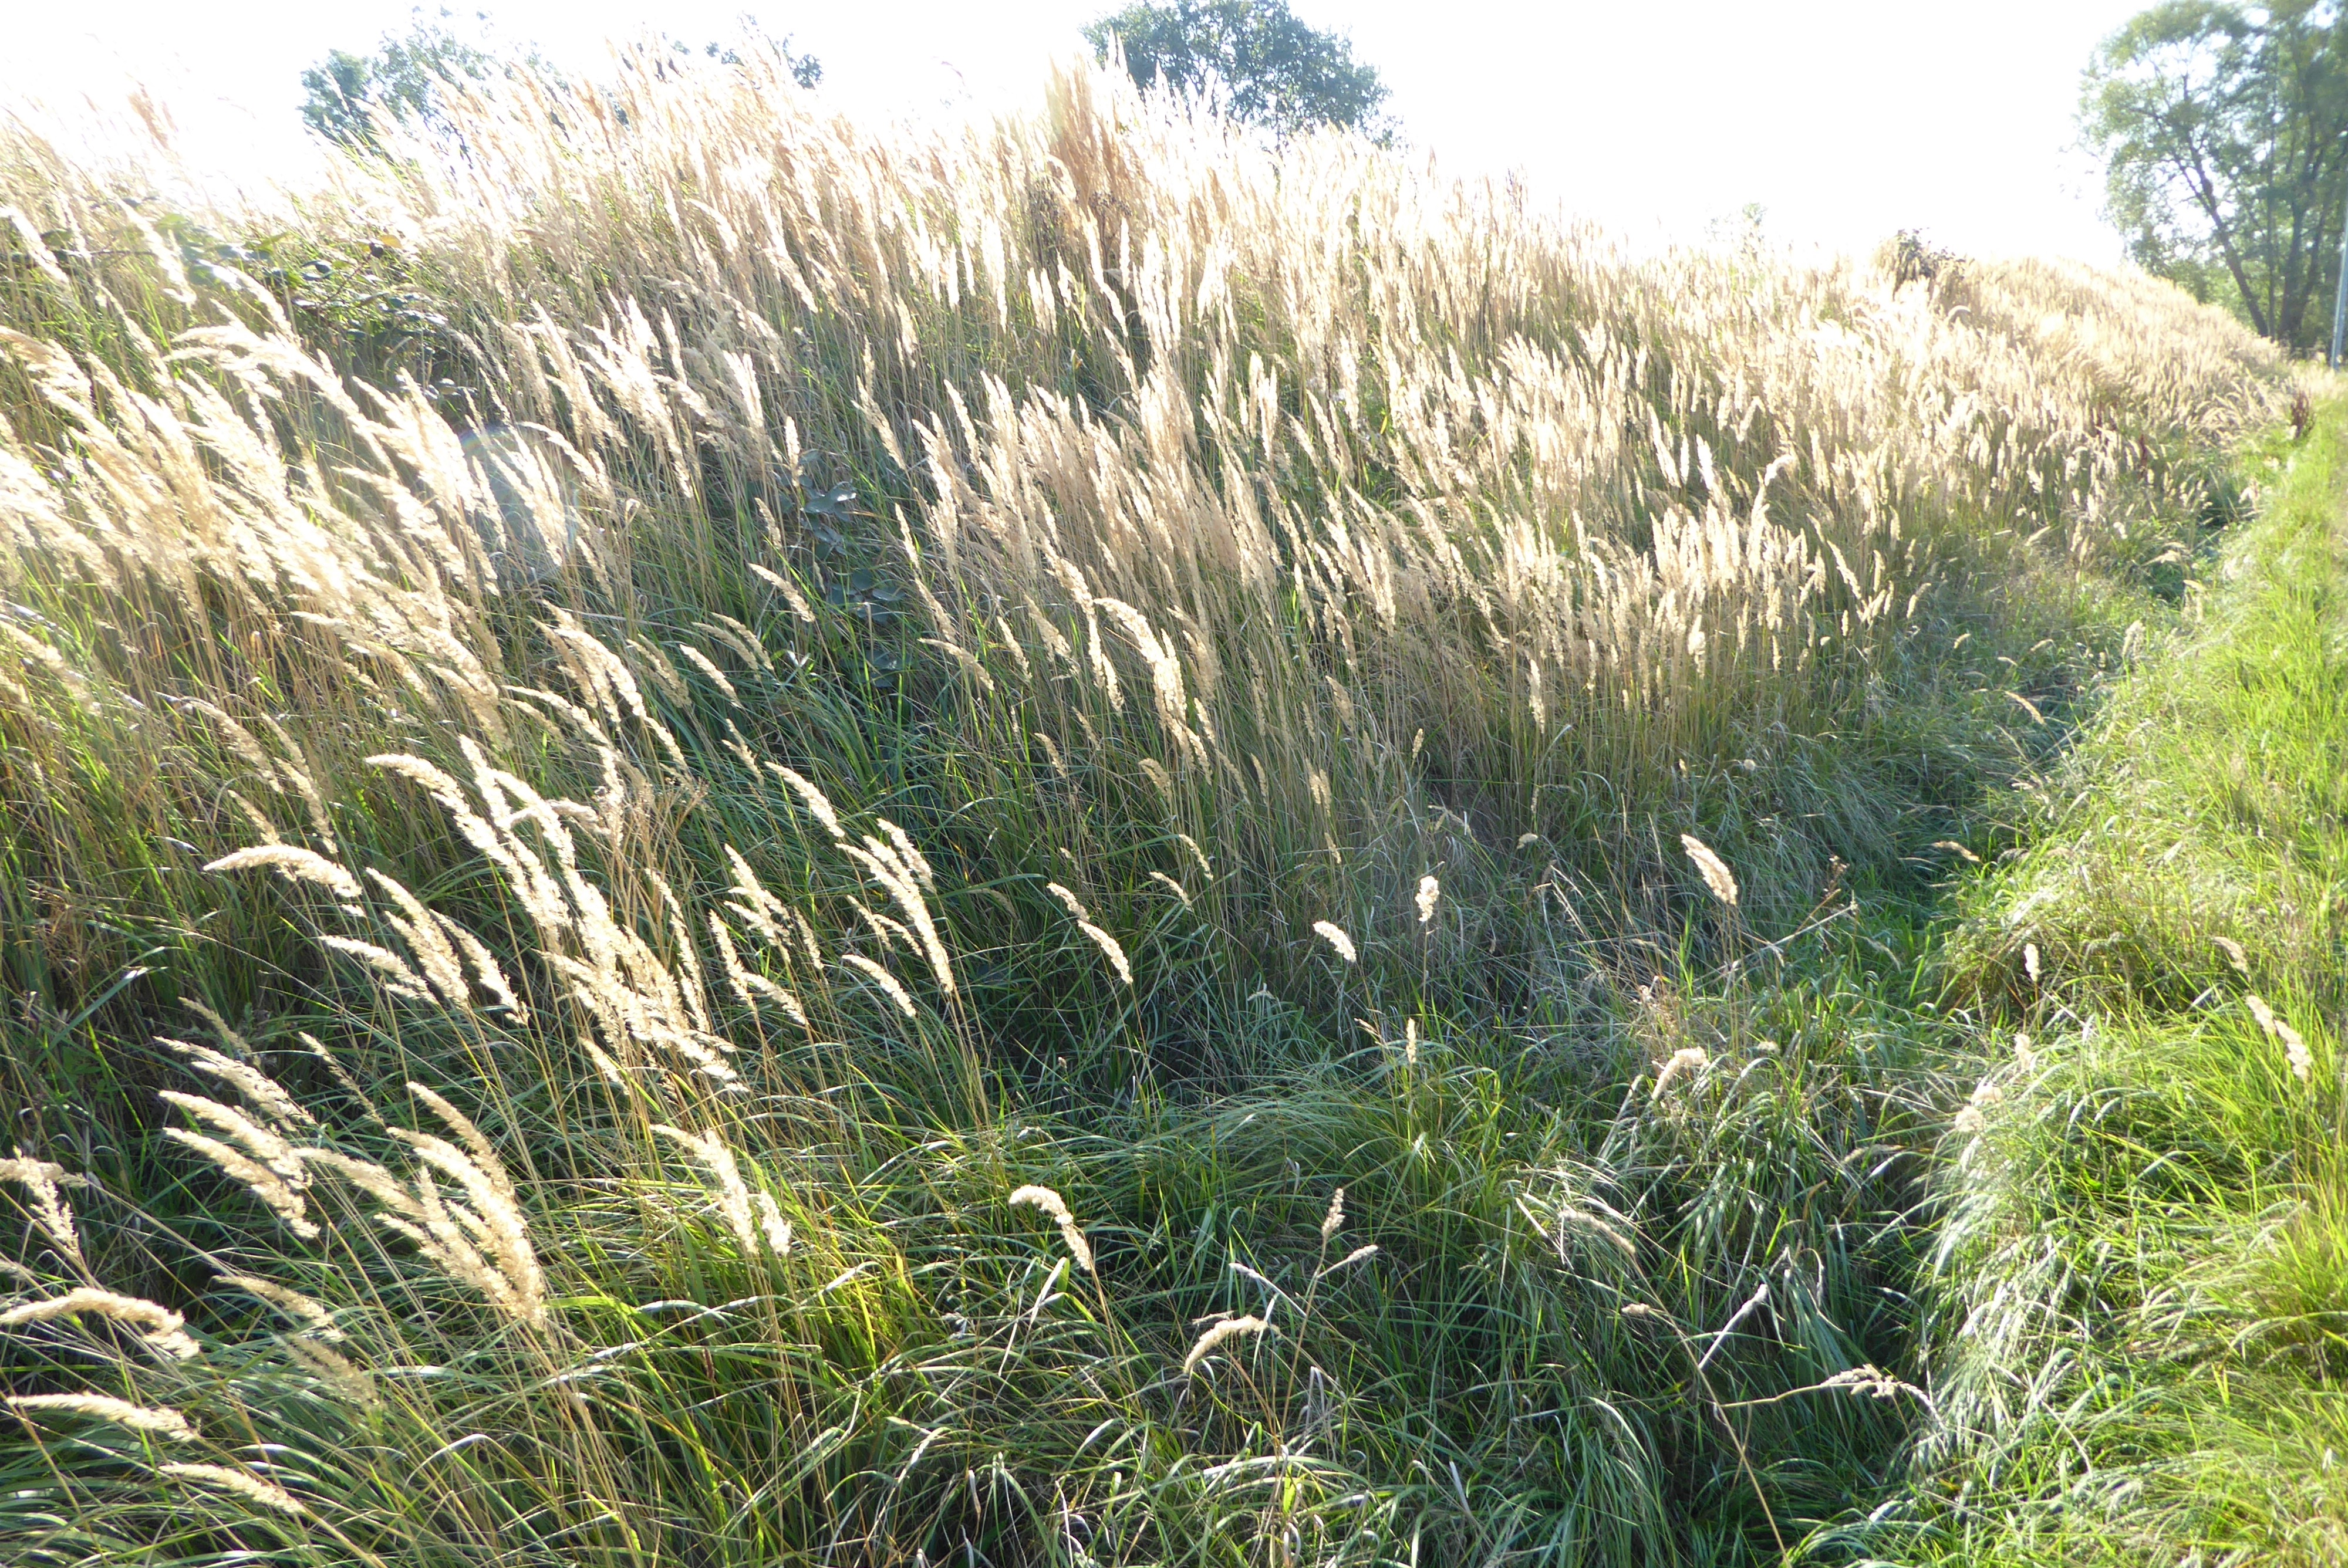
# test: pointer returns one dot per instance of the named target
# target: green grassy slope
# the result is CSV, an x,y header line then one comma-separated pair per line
x,y
2138,1302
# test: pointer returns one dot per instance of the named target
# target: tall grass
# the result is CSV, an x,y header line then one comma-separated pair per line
x,y
722,828
2136,1295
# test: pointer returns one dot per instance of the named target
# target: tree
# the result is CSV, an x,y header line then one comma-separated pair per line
x,y
2224,133
402,73
400,76
1278,72
804,69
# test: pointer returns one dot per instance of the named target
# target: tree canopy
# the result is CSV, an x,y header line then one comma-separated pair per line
x,y
2224,133
403,73
1277,72
399,75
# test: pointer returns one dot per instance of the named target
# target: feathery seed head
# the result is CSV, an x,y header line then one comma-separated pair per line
x,y
161,1327
158,1422
259,1089
244,1483
884,979
1718,877
1688,1058
41,1181
311,1315
814,800
1056,1209
1110,948
2296,1054
295,864
770,1219
1220,1334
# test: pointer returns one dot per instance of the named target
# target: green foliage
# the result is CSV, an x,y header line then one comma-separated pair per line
x,y
1913,259
398,79
2224,133
1278,71
751,43
401,76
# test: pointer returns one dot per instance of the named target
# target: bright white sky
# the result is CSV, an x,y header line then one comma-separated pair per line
x,y
1846,119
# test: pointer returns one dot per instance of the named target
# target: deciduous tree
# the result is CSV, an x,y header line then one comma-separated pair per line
x,y
2224,133
402,73
341,90
1277,71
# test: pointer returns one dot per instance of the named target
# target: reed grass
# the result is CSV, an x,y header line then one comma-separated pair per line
x,y
817,686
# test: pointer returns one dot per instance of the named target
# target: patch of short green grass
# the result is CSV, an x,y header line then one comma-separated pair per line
x,y
2135,1298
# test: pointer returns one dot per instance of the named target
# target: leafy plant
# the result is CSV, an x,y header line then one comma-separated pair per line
x,y
2224,132
341,94
1276,71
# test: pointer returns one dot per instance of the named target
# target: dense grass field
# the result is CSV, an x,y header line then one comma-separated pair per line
x,y
727,838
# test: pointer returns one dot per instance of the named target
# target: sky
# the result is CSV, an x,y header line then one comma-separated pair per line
x,y
1844,120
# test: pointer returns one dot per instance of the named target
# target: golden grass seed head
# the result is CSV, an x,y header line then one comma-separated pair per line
x,y
817,804
1056,1209
2296,1054
150,1419
263,1144
259,1090
295,864
1334,934
908,852
340,1375
273,1190
888,982
161,1327
1112,949
1718,880
1197,854
1217,1336
241,1482
312,1315
385,965
776,1228
484,1153
42,1180
1359,1254
1688,1058
734,1195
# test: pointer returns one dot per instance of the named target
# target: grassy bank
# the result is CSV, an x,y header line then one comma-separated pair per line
x,y
722,830
2136,1298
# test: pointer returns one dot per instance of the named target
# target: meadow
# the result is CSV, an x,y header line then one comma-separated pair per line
x,y
731,837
